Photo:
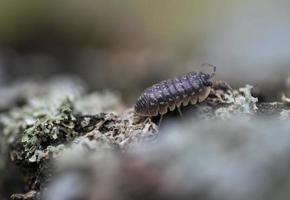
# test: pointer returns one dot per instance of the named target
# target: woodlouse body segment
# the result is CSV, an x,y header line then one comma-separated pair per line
x,y
172,93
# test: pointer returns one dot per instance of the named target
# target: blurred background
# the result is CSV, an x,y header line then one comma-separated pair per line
x,y
128,45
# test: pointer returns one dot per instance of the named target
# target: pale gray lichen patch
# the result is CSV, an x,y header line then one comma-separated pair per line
x,y
48,128
285,115
239,102
41,128
226,103
42,102
47,136
136,133
58,121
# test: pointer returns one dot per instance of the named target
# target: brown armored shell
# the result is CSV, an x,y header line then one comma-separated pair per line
x,y
169,94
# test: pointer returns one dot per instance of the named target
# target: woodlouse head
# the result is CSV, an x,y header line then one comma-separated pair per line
x,y
206,78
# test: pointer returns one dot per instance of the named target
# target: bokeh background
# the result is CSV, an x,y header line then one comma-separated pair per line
x,y
128,45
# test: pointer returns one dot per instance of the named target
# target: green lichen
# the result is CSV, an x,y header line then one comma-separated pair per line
x,y
41,129
49,130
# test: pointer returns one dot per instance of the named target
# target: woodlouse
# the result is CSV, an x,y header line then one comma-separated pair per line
x,y
193,87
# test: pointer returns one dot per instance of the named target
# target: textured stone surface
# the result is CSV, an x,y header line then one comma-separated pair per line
x,y
61,135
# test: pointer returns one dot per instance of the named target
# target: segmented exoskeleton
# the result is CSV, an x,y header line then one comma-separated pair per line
x,y
193,87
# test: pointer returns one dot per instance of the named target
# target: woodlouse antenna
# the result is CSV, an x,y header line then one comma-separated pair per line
x,y
212,66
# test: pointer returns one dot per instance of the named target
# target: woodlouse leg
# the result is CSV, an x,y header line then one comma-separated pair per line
x,y
171,104
160,120
193,100
179,111
171,108
163,109
186,101
178,101
148,119
154,111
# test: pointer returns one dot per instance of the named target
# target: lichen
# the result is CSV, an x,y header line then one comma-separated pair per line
x,y
55,125
189,160
285,115
239,102
53,122
49,130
